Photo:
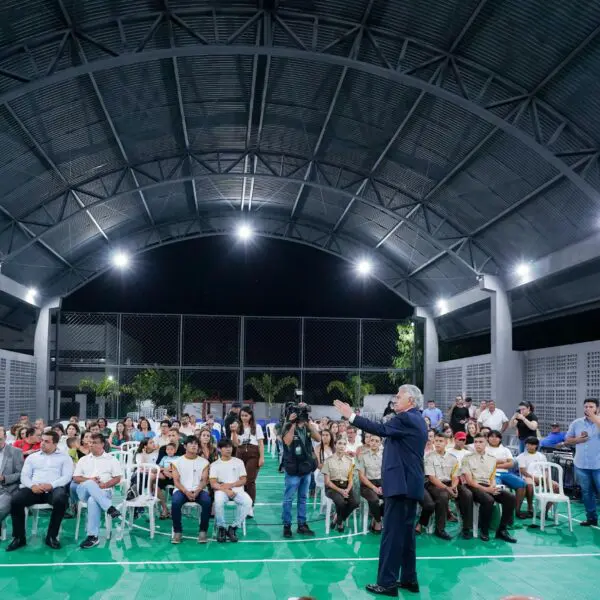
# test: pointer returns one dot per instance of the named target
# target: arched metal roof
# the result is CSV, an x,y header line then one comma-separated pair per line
x,y
444,139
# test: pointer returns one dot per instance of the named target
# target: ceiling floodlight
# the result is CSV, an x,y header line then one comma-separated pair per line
x,y
442,305
31,294
120,259
244,232
523,270
364,267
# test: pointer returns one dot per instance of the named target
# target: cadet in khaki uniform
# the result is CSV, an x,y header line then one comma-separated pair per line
x,y
338,471
369,473
441,473
479,470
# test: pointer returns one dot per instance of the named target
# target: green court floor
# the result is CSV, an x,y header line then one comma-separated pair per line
x,y
553,565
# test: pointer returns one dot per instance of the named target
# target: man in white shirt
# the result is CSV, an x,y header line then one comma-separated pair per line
x,y
493,417
531,475
44,478
187,427
227,478
190,475
163,438
94,478
459,451
504,464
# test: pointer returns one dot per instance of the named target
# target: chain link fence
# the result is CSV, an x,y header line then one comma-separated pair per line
x,y
174,360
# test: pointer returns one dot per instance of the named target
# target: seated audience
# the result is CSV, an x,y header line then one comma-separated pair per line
x,y
555,439
441,471
104,428
187,427
30,443
144,431
190,474
429,443
353,442
324,449
472,429
146,453
227,478
459,451
505,463
479,470
72,430
338,472
369,473
531,475
214,427
84,444
162,439
94,478
207,445
174,438
11,464
44,480
119,437
165,477
94,428
72,447
129,427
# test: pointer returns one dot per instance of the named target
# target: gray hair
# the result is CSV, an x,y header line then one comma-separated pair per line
x,y
415,393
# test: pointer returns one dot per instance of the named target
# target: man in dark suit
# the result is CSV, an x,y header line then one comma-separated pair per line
x,y
403,484
11,463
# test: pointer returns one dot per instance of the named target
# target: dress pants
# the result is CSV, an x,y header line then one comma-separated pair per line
x,y
397,553
427,508
343,506
486,506
375,508
58,498
441,498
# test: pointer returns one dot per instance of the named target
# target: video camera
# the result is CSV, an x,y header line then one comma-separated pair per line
x,y
297,406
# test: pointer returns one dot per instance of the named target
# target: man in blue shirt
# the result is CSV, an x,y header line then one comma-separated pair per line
x,y
555,439
44,478
585,434
434,414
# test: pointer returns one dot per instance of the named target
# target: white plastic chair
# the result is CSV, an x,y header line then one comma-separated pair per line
x,y
364,507
147,498
329,507
271,439
35,509
230,504
107,519
544,492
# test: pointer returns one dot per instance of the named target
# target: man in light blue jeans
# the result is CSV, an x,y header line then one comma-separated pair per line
x,y
585,434
94,478
299,463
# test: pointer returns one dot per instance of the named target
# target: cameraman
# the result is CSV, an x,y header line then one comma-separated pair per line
x,y
299,462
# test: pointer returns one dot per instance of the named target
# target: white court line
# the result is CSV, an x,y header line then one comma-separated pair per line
x,y
574,519
287,541
160,563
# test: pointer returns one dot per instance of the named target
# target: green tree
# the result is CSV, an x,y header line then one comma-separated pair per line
x,y
106,388
405,349
268,388
353,390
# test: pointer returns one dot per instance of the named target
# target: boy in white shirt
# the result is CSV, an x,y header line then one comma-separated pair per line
x,y
529,472
190,475
95,476
227,478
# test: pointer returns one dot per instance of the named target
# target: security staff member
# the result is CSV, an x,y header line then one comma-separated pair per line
x,y
441,471
479,470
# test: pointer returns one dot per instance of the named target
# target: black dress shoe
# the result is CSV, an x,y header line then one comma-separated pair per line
x,y
443,535
382,591
52,542
221,535
231,534
589,523
466,534
484,537
287,531
410,586
113,513
304,529
16,544
502,534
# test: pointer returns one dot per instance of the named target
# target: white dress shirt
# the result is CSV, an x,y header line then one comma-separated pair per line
x,y
105,466
55,469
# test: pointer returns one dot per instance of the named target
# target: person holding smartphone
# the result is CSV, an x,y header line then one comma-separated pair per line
x,y
584,433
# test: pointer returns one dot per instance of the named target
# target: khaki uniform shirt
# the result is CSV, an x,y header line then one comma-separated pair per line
x,y
481,467
338,469
443,467
370,464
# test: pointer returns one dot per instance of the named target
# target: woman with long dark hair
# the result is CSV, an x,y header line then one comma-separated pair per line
x,y
144,431
250,449
206,445
120,436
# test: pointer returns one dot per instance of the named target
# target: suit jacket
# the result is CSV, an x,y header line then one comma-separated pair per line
x,y
402,472
10,466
